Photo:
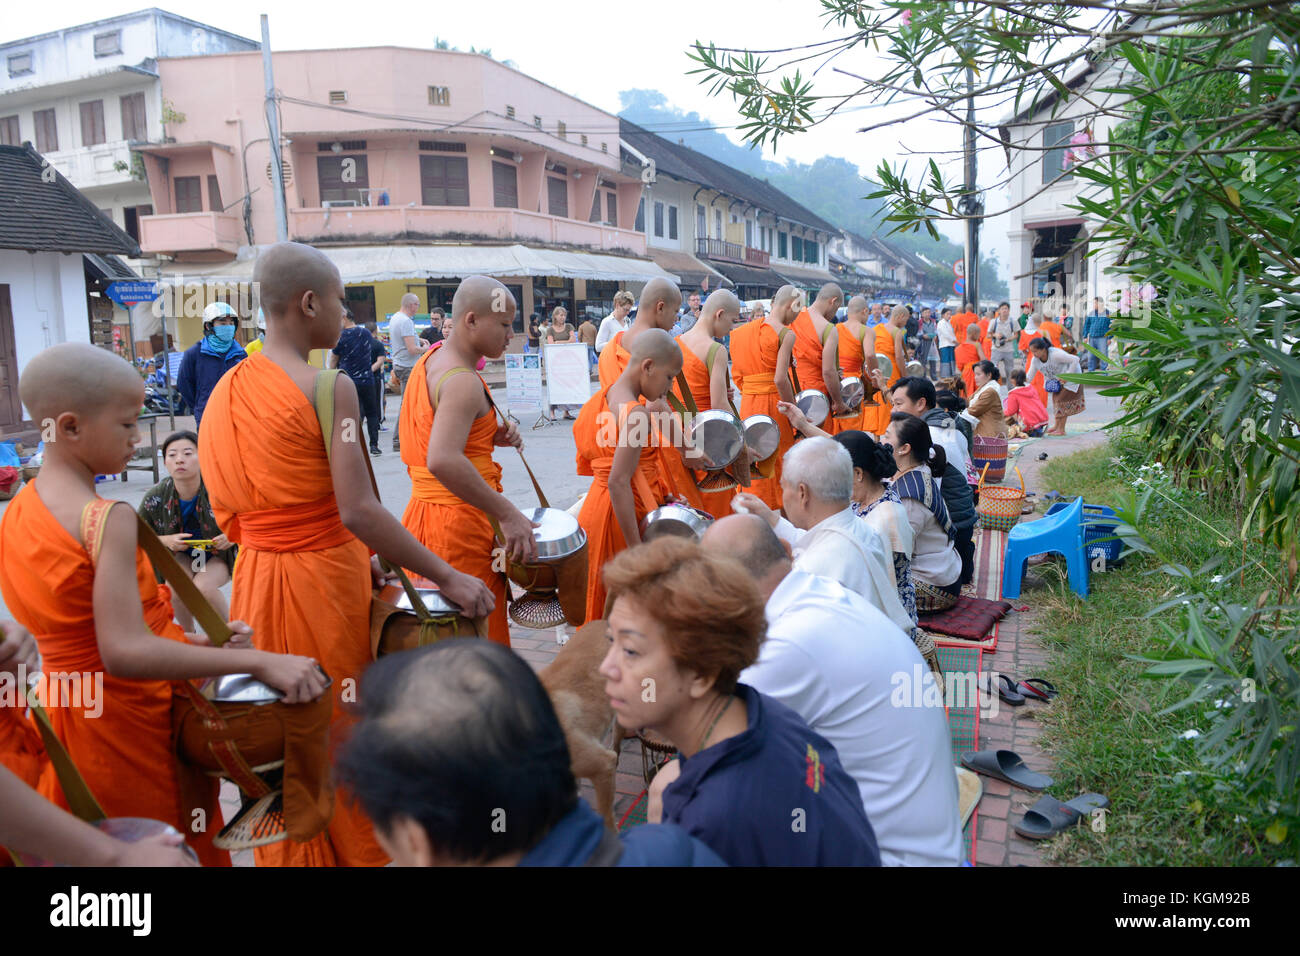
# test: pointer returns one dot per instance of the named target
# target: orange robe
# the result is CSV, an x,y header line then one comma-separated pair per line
x,y
302,580
965,357
716,503
1052,330
21,751
596,435
672,477
754,349
457,532
960,322
985,341
1038,381
808,365
123,746
875,410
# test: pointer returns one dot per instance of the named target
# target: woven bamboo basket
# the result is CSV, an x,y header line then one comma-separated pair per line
x,y
999,505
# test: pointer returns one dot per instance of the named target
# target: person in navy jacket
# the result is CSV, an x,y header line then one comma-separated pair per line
x,y
755,783
459,759
208,359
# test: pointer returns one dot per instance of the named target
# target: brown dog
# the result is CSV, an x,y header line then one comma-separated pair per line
x,y
578,694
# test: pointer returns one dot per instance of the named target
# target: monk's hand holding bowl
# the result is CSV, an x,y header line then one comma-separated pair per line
x,y
17,648
518,532
470,594
300,679
164,849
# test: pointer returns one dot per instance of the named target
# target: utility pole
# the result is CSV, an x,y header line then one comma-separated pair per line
x,y
273,130
970,204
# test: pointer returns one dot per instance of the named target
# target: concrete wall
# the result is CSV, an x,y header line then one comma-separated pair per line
x,y
47,292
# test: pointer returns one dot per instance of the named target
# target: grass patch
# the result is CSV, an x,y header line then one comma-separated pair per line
x,y
1105,732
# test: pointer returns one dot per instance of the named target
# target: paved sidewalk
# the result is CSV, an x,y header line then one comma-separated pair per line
x,y
1020,654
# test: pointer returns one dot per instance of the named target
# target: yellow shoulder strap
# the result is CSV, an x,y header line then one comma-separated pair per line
x,y
437,388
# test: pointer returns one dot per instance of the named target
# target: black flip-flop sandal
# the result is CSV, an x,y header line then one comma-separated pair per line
x,y
1050,816
1005,765
1007,690
1037,688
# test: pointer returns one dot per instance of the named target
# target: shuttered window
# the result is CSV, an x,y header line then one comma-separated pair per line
x,y
189,194
214,195
341,178
505,186
47,131
92,123
9,131
611,209
444,181
134,126
557,197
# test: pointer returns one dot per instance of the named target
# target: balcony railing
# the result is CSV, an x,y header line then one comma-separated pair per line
x,y
396,221
733,251
190,232
107,164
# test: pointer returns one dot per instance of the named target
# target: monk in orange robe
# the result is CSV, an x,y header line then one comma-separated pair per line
x,y
813,328
448,428
1050,329
891,341
657,309
967,354
306,519
612,433
961,320
704,366
73,574
21,751
761,352
842,357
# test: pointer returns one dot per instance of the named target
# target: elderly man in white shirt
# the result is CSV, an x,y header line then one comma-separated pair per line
x,y
826,536
860,682
617,321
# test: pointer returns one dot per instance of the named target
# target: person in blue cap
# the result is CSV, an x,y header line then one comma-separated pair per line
x,y
207,360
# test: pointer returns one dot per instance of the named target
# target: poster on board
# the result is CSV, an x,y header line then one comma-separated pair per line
x,y
524,381
568,373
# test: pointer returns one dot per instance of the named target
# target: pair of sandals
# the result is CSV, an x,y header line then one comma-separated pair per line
x,y
1048,816
1015,693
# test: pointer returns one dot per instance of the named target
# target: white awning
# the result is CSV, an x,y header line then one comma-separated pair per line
x,y
380,263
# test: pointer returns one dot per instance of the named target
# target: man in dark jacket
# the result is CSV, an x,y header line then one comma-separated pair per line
x,y
916,395
207,360
459,759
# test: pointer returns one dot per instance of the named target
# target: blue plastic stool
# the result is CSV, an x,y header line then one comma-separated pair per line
x,y
1058,533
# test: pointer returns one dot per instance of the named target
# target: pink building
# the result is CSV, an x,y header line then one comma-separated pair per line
x,y
409,167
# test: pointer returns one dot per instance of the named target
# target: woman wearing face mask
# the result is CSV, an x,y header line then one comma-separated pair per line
x,y
207,360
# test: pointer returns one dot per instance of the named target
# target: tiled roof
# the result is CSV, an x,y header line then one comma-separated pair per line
x,y
682,162
40,211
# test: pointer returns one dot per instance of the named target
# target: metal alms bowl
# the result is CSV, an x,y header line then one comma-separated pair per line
x,y
244,689
915,368
851,392
886,365
675,519
762,435
557,535
719,435
814,404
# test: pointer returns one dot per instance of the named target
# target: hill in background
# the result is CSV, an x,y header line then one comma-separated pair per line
x,y
832,187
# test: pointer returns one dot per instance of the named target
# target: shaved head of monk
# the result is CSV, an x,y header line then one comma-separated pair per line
x,y
722,310
86,402
301,295
660,300
656,359
483,316
786,304
858,305
830,295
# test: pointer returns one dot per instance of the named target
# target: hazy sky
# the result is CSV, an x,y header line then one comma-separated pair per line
x,y
589,49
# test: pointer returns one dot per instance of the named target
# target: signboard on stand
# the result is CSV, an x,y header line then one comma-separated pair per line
x,y
568,373
524,381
